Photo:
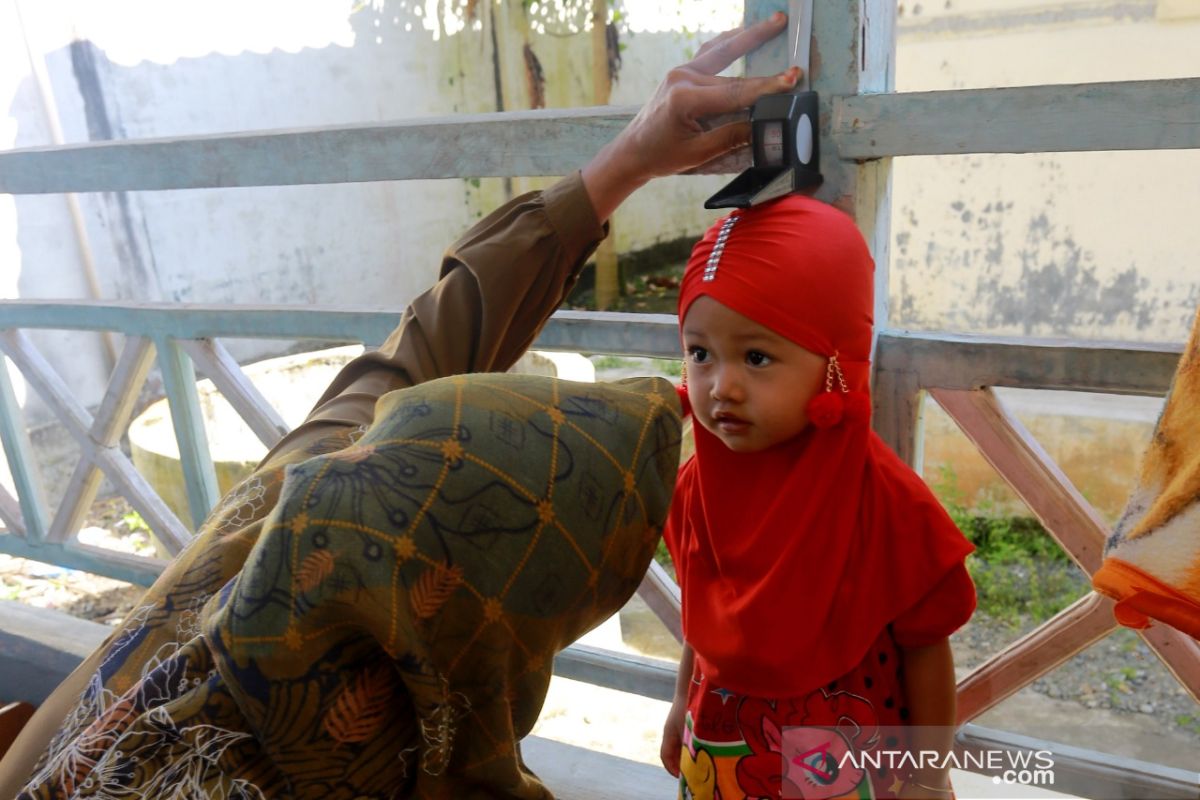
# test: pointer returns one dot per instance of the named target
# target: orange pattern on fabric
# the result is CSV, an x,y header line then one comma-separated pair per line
x,y
1173,460
361,707
433,589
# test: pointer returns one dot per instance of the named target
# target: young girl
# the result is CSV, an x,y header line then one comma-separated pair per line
x,y
820,576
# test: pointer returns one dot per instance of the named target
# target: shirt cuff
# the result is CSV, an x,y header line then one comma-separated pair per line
x,y
570,212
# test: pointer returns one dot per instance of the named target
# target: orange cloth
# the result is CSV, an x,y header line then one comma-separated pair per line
x,y
1152,561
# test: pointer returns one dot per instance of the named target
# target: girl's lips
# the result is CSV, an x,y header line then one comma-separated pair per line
x,y
728,423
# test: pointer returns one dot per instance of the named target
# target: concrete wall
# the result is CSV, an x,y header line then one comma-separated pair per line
x,y
1089,245
1084,245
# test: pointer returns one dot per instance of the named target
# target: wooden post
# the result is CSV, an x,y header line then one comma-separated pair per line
x,y
852,53
110,423
179,380
21,464
608,286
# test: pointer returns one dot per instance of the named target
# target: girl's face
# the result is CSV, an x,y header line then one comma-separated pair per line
x,y
748,385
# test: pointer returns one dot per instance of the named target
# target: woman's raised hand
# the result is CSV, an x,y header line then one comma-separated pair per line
x,y
668,136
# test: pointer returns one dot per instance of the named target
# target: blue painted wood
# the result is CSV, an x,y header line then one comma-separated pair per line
x,y
1130,115
655,335
163,320
522,143
21,465
72,557
179,381
1134,115
596,332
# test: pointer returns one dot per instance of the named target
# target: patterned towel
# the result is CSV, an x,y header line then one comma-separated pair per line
x,y
1152,561
381,620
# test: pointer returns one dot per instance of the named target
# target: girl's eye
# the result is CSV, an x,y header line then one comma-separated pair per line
x,y
757,359
698,354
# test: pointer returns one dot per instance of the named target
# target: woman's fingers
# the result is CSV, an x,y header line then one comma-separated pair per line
x,y
719,141
723,50
667,137
733,94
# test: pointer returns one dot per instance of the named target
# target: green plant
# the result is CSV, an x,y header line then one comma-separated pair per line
x,y
612,362
1019,571
1017,586
1189,722
663,557
670,366
1117,682
134,522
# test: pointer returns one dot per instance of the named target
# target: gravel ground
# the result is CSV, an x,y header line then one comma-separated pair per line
x,y
111,524
1119,673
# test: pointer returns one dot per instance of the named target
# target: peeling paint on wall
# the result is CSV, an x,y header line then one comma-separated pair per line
x,y
1038,246
1088,245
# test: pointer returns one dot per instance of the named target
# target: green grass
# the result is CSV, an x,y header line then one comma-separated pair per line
x,y
1189,722
612,362
1020,572
670,366
134,522
664,558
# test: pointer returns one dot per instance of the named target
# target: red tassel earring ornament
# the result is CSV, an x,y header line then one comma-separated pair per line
x,y
830,407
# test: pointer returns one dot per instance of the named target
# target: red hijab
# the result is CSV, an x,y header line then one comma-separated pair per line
x,y
793,560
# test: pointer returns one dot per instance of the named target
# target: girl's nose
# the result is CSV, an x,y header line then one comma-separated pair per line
x,y
726,384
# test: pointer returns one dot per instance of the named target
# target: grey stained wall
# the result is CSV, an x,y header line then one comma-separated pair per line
x,y
1086,245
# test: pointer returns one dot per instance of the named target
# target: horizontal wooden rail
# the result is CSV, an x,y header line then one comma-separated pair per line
x,y
624,672
942,360
183,321
953,361
1128,115
1086,773
139,570
524,143
617,333
583,331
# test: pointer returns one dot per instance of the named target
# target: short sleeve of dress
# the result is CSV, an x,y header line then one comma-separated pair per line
x,y
941,612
